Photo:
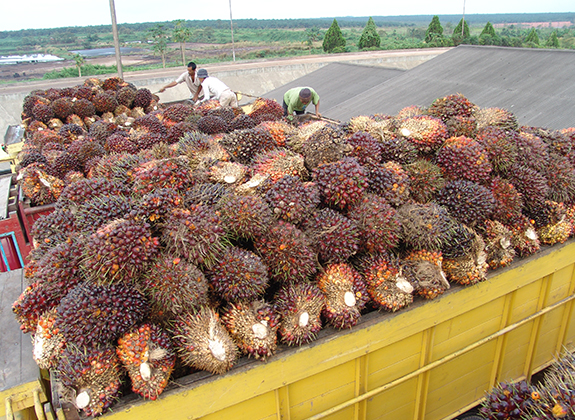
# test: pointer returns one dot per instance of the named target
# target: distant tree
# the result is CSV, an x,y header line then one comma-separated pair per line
x,y
532,38
333,38
488,29
488,35
369,37
160,39
181,34
312,35
457,35
434,30
79,60
552,41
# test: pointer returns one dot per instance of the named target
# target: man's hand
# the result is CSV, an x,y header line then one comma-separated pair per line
x,y
162,90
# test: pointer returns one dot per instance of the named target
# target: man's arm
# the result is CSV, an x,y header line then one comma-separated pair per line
x,y
169,85
197,94
317,109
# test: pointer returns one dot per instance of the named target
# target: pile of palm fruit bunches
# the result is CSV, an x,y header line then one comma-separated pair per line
x,y
184,237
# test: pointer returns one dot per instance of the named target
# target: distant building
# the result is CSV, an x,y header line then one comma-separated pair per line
x,y
33,58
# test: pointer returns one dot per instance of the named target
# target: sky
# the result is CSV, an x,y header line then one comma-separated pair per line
x,y
36,14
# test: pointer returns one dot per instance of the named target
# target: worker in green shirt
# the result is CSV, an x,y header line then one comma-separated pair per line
x,y
297,99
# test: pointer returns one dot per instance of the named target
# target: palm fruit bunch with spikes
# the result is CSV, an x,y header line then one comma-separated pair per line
x,y
228,172
86,149
47,342
195,234
299,307
264,109
495,117
279,130
278,163
117,167
303,133
113,83
99,210
333,236
498,247
145,140
379,225
470,268
345,294
508,202
238,275
101,130
360,123
153,207
386,286
224,112
464,158
90,314
244,145
203,342
461,243
450,106
397,149
53,228
253,327
560,175
425,180
558,228
524,238
178,131
326,145
341,183
117,251
78,193
366,149
508,401
287,252
104,102
142,99
178,112
500,146
43,112
162,173
30,102
38,185
212,124
60,262
149,123
532,151
425,132
146,353
423,269
410,111
126,95
545,213
461,126
91,377
173,286
467,201
64,163
200,148
425,226
245,217
63,107
242,122
32,156
84,108
204,107
390,181
291,199
205,193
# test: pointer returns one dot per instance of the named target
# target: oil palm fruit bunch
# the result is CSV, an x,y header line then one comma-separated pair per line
x,y
143,98
326,145
464,158
205,193
299,306
225,112
196,234
117,167
91,378
238,275
63,164
552,225
341,183
495,117
390,181
397,149
451,106
203,342
560,175
279,130
425,132
146,352
303,133
244,216
278,163
84,108
333,236
244,145
532,151
467,201
498,246
47,342
77,193
345,294
153,207
53,228
230,173
378,222
242,122
38,185
162,173
100,210
62,107
253,327
508,401
508,202
291,199
212,124
500,146
205,106
177,112
386,286
425,180
425,226
264,109
366,149
287,252
423,269
105,102
470,268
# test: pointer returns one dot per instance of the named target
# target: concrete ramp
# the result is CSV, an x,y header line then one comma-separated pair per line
x,y
537,85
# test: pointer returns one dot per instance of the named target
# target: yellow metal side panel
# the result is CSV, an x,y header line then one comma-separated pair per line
x,y
513,360
525,302
560,284
317,393
262,407
395,403
548,336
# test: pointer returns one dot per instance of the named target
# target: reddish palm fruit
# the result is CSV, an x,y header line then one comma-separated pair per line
x,y
326,145
461,126
143,98
341,183
279,130
238,275
126,95
508,401
100,210
53,228
62,107
287,252
244,216
101,130
345,295
91,376
242,122
423,270
425,132
333,236
146,353
225,112
244,145
495,117
464,158
80,192
266,107
307,129
60,262
149,123
278,163
360,123
146,140
30,101
508,202
117,167
387,288
390,181
299,306
195,234
470,268
43,112
425,180
291,199
90,315
467,201
560,175
524,237
38,185
64,163
500,146
425,226
47,342
105,102
112,83
117,251
397,149
253,327
84,108
153,207
212,124
532,151
163,173
85,149
205,106
461,243
203,343
366,149
178,131
498,246
451,106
